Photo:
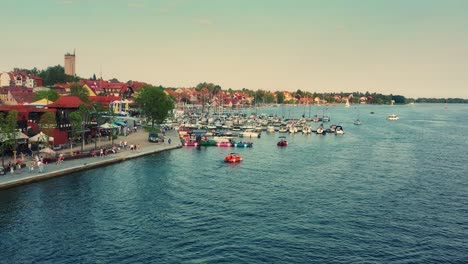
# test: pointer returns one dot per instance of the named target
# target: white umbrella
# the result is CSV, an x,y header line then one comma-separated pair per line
x,y
41,137
19,135
108,126
47,151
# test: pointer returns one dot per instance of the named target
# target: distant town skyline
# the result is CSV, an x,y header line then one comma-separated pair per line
x,y
413,48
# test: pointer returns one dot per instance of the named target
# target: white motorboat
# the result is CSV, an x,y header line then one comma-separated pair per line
x,y
392,117
250,133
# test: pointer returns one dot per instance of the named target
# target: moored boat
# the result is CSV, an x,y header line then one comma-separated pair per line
x,y
190,143
224,144
339,130
207,143
242,144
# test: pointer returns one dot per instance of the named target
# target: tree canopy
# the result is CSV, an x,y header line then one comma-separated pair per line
x,y
77,90
154,103
8,131
56,74
47,123
50,95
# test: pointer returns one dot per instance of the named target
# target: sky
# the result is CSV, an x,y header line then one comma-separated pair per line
x,y
416,48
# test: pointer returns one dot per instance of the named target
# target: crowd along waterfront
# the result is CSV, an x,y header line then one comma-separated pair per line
x,y
385,191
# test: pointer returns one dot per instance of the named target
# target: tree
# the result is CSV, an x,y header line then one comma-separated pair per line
x,y
56,74
50,95
85,113
155,103
76,121
8,132
47,123
34,70
280,97
77,90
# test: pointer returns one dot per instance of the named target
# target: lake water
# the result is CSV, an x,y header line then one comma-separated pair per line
x,y
386,191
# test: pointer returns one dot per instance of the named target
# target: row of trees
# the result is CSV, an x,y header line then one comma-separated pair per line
x,y
52,75
208,90
442,100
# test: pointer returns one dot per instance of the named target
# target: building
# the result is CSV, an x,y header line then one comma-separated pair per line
x,y
70,64
19,79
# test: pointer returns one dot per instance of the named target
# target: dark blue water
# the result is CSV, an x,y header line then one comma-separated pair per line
x,y
386,191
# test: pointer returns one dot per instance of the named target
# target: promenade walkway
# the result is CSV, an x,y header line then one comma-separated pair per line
x,y
24,175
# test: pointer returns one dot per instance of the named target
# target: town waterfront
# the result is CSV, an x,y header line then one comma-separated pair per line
x,y
385,191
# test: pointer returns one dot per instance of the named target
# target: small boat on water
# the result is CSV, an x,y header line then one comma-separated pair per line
x,y
320,130
339,130
207,143
233,158
242,144
392,117
190,143
282,142
357,122
250,133
224,144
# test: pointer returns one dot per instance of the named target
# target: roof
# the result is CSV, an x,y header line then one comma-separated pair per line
x,y
104,100
24,108
43,101
22,97
66,102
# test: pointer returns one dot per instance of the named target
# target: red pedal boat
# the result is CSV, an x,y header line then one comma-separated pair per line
x,y
233,158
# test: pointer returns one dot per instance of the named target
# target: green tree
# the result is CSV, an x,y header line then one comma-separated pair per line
x,y
34,70
76,121
8,132
155,103
85,113
50,95
47,123
280,97
56,74
269,98
77,90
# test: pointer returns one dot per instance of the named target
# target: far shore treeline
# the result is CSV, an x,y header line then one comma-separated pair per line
x,y
56,74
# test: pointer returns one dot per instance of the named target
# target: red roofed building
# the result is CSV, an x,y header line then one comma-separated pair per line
x,y
116,89
104,100
67,102
20,97
20,79
64,105
29,117
62,88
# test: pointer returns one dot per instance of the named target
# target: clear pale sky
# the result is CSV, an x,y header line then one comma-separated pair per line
x,y
415,48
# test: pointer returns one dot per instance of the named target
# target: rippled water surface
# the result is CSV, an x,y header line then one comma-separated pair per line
x,y
383,192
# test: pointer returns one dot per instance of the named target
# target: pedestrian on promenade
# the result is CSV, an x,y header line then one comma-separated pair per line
x,y
169,141
39,165
101,153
